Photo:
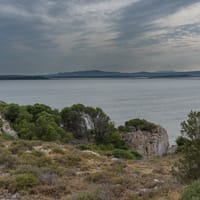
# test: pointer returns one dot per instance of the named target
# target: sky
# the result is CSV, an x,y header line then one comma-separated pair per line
x,y
47,36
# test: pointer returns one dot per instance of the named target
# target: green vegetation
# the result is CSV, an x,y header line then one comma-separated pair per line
x,y
137,124
77,117
40,165
95,195
126,154
35,122
181,142
41,122
7,136
1,123
50,170
23,181
188,167
81,123
114,139
191,192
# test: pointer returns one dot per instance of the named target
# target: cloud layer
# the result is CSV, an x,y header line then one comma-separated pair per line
x,y
43,36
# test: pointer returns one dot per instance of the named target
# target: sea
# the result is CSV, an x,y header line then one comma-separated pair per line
x,y
166,102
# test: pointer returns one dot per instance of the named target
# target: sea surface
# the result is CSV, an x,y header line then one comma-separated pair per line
x,y
163,101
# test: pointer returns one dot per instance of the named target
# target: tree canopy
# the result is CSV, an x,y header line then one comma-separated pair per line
x,y
189,165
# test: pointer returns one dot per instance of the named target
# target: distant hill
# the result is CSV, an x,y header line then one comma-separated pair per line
x,y
104,74
22,77
89,74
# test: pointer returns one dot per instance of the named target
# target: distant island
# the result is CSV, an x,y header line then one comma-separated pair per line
x,y
104,74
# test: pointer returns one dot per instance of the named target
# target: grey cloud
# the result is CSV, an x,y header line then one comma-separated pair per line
x,y
136,19
43,36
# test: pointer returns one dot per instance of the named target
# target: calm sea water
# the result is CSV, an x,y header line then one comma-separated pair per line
x,y
163,101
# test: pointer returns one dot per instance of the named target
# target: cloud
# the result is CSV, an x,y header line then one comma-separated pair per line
x,y
186,16
126,35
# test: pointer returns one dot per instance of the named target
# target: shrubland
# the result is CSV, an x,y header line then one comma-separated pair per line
x,y
49,170
41,122
52,157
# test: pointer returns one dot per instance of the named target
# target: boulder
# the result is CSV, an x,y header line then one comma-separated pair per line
x,y
148,143
6,128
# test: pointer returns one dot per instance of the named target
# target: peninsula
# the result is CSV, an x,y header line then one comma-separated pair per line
x,y
104,74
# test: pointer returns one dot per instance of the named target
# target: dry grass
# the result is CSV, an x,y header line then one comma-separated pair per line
x,y
66,173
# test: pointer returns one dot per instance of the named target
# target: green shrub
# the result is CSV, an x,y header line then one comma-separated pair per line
x,y
7,136
7,160
35,159
72,159
126,154
20,146
1,123
19,182
58,150
22,182
74,122
100,177
35,122
137,155
91,147
188,166
96,195
138,124
4,182
95,147
115,140
181,143
12,111
191,192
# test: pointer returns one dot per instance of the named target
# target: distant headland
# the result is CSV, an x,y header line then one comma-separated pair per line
x,y
104,74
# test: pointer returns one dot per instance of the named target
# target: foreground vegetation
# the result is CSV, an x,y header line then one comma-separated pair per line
x,y
41,122
42,163
48,170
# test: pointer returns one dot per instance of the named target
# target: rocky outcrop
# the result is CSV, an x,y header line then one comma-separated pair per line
x,y
148,143
85,122
6,128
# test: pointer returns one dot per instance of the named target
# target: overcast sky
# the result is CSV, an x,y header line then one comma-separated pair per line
x,y
42,36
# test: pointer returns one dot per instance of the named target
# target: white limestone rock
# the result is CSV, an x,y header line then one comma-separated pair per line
x,y
148,143
6,128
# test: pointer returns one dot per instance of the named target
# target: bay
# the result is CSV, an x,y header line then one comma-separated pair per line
x,y
162,101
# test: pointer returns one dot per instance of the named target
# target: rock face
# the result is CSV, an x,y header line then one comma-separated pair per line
x,y
85,122
148,143
6,128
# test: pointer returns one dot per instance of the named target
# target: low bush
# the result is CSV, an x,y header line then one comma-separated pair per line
x,y
24,181
20,146
99,148
34,159
115,140
101,177
19,182
7,136
7,160
96,195
191,192
137,124
91,147
126,154
46,175
181,143
72,159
